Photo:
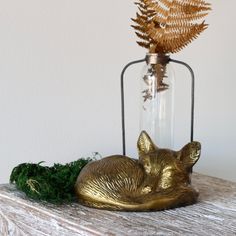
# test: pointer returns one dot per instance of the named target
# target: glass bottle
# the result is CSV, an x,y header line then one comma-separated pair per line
x,y
157,100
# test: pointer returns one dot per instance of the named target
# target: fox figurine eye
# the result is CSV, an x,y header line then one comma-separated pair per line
x,y
158,180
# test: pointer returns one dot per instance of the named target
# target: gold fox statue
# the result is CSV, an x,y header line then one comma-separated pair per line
x,y
159,180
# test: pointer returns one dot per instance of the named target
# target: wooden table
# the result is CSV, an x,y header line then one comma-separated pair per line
x,y
214,214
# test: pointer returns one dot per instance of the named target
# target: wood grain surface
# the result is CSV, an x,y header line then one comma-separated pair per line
x,y
214,214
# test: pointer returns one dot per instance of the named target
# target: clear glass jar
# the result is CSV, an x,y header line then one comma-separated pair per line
x,y
157,100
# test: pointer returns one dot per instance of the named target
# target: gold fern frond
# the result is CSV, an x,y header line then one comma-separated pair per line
x,y
139,28
143,19
143,44
167,26
142,36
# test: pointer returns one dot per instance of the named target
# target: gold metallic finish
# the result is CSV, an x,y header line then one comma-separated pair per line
x,y
156,76
159,180
157,58
167,26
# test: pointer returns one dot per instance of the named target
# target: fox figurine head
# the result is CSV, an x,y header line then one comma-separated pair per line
x,y
159,180
170,167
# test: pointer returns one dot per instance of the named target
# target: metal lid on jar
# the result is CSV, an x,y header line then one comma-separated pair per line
x,y
156,58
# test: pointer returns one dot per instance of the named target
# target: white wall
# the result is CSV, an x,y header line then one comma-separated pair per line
x,y
60,63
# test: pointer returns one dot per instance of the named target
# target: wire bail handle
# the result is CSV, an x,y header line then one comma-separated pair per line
x,y
123,97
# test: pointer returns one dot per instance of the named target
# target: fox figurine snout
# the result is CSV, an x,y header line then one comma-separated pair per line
x,y
159,180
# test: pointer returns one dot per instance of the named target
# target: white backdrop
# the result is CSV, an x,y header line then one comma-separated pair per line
x,y
60,63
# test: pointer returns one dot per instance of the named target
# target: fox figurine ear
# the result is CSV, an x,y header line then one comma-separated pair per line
x,y
145,144
190,154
